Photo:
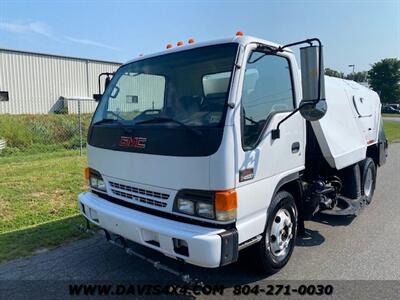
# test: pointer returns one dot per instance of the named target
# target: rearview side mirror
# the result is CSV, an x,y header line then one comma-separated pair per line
x,y
312,111
313,105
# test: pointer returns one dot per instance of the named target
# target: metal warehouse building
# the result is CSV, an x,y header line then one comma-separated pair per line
x,y
36,83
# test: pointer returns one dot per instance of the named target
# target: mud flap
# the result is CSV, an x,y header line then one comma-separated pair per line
x,y
383,145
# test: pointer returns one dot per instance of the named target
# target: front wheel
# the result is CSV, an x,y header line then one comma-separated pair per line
x,y
276,246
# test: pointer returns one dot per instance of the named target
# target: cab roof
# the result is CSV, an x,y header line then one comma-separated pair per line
x,y
241,40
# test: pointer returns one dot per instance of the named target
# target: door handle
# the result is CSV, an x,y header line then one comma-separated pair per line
x,y
295,147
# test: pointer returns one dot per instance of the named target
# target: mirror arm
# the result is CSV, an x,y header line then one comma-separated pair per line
x,y
99,79
275,133
307,41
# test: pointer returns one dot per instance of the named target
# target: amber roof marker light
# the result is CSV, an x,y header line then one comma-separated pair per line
x,y
191,41
180,43
239,33
169,46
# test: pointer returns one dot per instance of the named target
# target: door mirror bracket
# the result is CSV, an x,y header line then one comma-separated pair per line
x,y
313,105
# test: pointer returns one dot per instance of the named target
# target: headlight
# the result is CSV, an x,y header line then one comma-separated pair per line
x,y
205,210
95,180
219,206
97,183
185,206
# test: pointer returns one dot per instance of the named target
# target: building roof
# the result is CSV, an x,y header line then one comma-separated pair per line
x,y
58,56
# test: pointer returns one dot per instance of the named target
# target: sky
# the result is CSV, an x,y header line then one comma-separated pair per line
x,y
353,32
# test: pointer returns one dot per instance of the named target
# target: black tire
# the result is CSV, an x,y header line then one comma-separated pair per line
x,y
368,165
264,258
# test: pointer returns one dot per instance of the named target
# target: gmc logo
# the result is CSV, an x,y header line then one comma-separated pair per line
x,y
134,142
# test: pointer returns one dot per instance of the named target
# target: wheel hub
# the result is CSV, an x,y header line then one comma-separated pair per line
x,y
281,233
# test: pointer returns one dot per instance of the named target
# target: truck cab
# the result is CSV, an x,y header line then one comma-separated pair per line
x,y
183,155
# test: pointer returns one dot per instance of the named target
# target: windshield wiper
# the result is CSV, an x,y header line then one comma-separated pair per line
x,y
251,120
166,120
104,121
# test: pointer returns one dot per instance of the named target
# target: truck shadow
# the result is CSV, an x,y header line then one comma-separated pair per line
x,y
333,220
310,238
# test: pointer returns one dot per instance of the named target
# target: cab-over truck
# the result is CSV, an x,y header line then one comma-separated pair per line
x,y
205,149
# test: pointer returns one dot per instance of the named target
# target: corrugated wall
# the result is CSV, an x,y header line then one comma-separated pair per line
x,y
35,82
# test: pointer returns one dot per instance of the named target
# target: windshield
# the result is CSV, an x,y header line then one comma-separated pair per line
x,y
187,88
173,104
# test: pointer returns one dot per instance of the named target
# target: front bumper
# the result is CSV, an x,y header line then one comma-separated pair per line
x,y
207,247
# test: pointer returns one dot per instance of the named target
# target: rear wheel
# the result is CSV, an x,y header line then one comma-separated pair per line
x,y
276,246
368,179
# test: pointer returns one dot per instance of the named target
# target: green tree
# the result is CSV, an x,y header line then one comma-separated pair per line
x,y
358,76
384,78
334,73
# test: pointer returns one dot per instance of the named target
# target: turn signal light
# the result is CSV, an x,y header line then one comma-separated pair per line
x,y
226,200
239,33
87,173
225,205
180,43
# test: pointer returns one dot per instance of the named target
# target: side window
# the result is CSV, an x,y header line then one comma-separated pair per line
x,y
216,83
267,88
4,96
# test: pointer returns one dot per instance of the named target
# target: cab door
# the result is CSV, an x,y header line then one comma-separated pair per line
x,y
269,93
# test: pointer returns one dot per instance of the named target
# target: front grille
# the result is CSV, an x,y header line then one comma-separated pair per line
x,y
139,191
139,195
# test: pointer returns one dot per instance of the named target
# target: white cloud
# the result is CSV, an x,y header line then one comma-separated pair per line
x,y
28,27
41,28
15,28
91,43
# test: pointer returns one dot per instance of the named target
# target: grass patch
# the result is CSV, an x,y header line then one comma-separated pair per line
x,y
35,190
27,241
25,157
392,131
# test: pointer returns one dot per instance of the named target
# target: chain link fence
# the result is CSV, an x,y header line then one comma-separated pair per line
x,y
43,133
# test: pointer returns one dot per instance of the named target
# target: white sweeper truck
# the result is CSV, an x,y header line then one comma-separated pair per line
x,y
204,149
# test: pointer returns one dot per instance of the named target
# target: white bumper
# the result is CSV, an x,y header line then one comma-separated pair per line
x,y
204,244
